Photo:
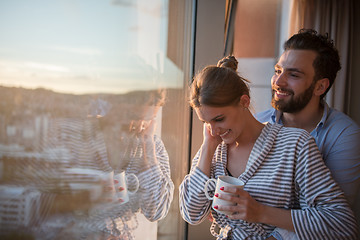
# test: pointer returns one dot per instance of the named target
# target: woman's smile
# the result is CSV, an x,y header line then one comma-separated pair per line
x,y
223,135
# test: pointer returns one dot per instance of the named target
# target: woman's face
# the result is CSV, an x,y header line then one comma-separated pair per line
x,y
142,117
227,122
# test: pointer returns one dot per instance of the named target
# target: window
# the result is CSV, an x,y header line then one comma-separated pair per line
x,y
260,29
82,84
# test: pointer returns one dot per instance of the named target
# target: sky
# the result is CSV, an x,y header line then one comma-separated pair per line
x,y
85,46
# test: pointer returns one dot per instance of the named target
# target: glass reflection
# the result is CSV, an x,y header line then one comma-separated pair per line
x,y
84,118
71,173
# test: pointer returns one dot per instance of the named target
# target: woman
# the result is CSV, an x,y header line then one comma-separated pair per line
x,y
287,185
122,138
143,153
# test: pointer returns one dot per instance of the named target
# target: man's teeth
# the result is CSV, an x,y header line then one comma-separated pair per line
x,y
282,93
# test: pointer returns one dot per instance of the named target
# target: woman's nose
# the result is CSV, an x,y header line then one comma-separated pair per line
x,y
213,130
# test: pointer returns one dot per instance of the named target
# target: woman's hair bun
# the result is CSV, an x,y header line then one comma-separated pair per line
x,y
228,62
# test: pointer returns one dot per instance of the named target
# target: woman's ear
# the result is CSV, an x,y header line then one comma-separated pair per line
x,y
245,101
321,86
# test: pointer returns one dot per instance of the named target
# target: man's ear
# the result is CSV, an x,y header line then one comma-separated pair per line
x,y
321,86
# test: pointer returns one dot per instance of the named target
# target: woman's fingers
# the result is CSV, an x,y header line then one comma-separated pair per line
x,y
208,138
244,206
227,197
233,189
149,127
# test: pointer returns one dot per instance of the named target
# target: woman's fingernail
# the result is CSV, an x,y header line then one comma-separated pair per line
x,y
222,188
216,195
216,207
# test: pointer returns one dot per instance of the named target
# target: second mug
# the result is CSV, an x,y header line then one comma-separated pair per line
x,y
122,188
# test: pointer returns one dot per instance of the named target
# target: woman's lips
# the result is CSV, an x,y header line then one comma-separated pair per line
x,y
225,133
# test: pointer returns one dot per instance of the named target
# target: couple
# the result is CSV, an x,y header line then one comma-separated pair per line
x,y
289,192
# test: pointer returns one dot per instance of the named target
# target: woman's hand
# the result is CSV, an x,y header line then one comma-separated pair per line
x,y
250,210
246,207
208,148
146,137
210,140
148,127
143,127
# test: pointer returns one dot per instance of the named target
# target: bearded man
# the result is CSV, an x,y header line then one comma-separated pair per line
x,y
303,75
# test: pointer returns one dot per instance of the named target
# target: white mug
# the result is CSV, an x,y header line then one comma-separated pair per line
x,y
107,180
222,181
121,181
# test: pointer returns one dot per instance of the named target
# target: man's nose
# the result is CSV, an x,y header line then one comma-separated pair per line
x,y
280,80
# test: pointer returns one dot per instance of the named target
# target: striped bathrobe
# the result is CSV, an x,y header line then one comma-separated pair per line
x,y
85,141
284,170
155,194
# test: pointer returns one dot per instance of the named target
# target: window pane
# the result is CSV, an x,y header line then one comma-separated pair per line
x,y
257,50
93,118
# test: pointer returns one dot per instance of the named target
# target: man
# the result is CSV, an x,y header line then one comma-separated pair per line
x,y
303,75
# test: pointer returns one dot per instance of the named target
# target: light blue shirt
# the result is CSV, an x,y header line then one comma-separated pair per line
x,y
338,138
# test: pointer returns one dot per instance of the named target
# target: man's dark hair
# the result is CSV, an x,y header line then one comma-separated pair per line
x,y
327,62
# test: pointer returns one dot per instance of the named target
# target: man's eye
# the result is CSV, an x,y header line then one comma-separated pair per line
x,y
277,72
294,75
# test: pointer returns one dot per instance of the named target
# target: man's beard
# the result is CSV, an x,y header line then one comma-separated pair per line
x,y
295,104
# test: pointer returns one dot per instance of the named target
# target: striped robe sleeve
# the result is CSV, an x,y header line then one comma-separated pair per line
x,y
324,212
194,205
157,185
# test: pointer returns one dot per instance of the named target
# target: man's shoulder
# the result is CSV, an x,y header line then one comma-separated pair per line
x,y
336,129
339,120
294,131
265,116
287,132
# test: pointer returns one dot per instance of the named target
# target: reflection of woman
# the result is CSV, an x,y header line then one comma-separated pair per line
x,y
286,182
143,154
53,190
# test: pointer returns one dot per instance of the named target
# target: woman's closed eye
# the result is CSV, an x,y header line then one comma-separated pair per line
x,y
219,119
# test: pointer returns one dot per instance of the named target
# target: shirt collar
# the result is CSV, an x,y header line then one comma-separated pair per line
x,y
323,118
276,117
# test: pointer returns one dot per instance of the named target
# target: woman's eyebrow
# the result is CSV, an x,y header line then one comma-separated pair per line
x,y
213,119
217,117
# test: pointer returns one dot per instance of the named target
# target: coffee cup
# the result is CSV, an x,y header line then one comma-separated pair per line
x,y
122,188
222,181
107,180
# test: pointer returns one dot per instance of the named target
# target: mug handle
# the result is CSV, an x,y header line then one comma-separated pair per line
x,y
136,180
206,188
